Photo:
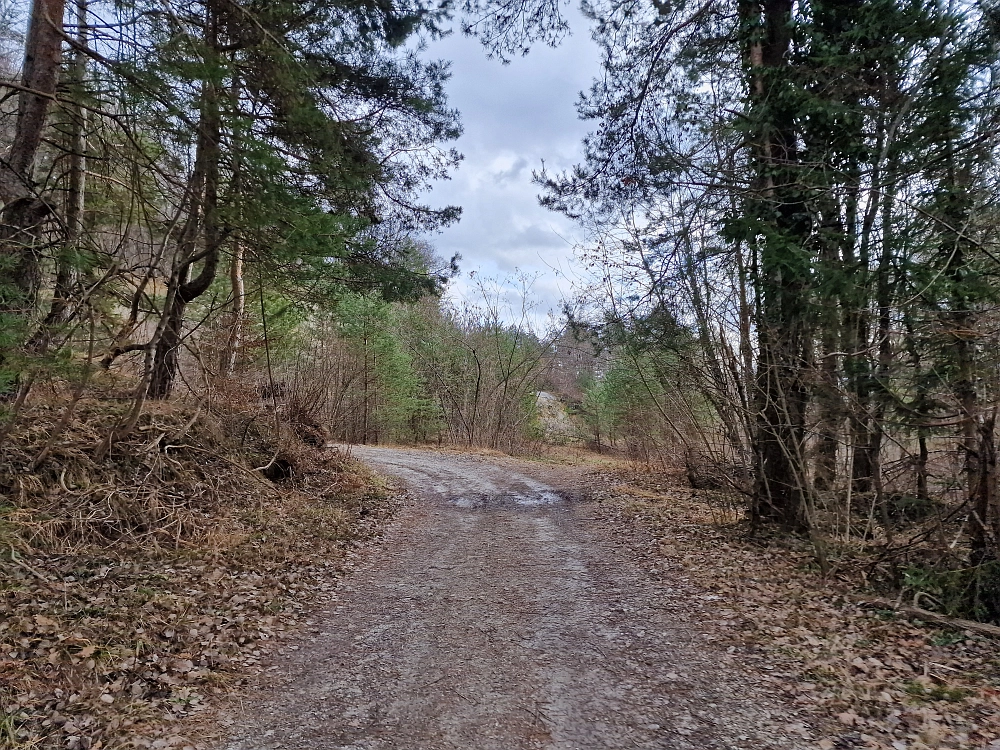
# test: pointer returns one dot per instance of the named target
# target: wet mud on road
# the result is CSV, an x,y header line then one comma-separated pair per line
x,y
500,612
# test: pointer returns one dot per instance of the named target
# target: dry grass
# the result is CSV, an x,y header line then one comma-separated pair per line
x,y
138,589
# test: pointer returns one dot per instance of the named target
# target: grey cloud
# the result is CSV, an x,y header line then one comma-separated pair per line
x,y
512,174
538,236
515,116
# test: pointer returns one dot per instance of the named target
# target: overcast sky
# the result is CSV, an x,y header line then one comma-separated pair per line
x,y
514,116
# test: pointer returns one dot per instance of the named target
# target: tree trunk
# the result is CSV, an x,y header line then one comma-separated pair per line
x,y
38,80
971,440
858,373
830,407
203,213
984,497
922,455
238,285
76,144
234,339
165,357
883,298
23,212
962,319
20,265
776,203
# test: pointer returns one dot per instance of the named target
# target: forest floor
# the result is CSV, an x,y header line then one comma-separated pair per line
x,y
563,602
857,671
136,592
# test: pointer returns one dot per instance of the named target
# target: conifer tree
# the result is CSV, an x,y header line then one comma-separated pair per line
x,y
785,146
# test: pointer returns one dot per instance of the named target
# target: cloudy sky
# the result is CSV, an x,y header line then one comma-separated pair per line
x,y
514,117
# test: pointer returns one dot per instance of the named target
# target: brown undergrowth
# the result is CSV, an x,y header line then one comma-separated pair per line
x,y
865,675
137,589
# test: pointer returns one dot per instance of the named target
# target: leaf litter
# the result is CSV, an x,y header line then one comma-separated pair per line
x,y
862,675
118,626
126,644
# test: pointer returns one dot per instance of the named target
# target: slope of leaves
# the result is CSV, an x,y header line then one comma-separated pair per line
x,y
137,590
865,676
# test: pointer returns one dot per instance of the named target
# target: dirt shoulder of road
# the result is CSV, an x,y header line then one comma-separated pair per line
x,y
122,643
864,677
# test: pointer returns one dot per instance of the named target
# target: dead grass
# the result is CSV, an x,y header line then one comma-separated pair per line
x,y
137,590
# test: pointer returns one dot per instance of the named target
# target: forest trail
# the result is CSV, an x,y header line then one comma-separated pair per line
x,y
503,611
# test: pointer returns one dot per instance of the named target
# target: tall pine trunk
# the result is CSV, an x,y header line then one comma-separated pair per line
x,y
67,260
782,272
23,212
204,246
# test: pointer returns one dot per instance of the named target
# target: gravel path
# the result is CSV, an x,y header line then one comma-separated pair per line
x,y
504,611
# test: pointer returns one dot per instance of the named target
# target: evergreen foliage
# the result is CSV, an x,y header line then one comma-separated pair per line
x,y
809,189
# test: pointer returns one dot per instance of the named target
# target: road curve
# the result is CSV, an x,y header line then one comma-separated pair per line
x,y
502,613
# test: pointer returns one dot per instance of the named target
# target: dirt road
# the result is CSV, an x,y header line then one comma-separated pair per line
x,y
501,613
